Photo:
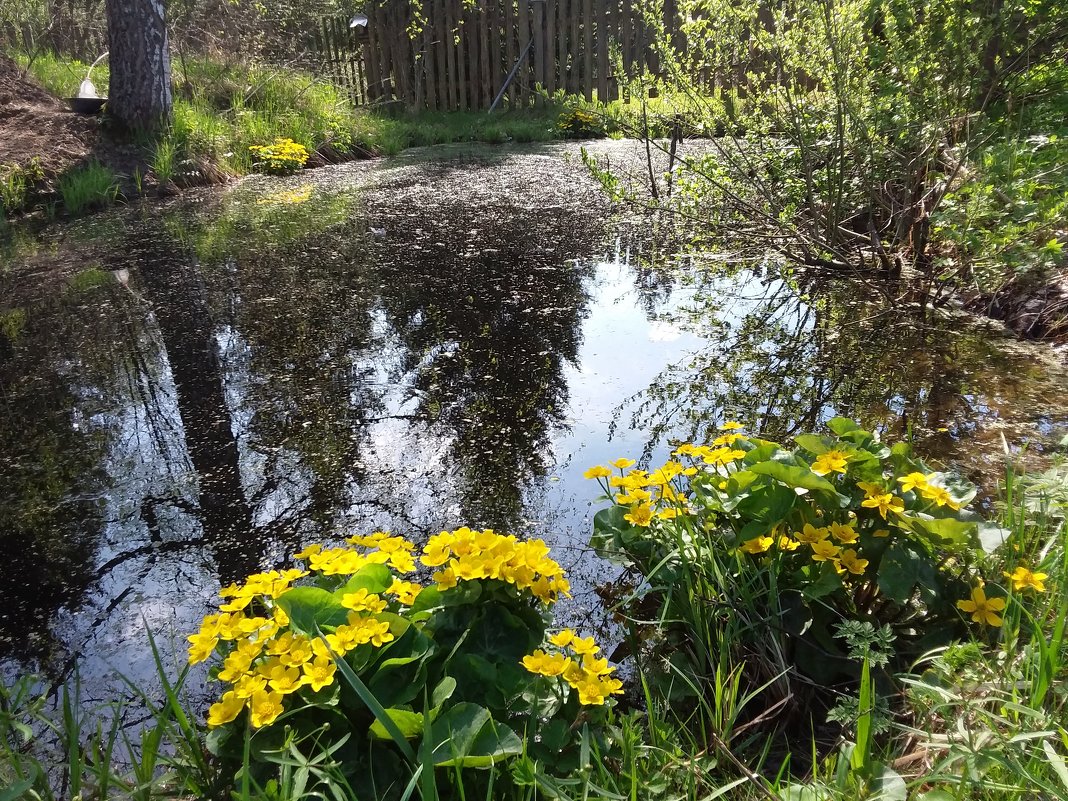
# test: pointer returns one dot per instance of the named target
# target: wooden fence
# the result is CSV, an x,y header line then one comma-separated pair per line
x,y
458,57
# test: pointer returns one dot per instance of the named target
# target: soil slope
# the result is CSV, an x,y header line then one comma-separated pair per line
x,y
33,123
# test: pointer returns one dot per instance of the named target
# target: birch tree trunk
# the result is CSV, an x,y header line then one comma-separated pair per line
x,y
139,93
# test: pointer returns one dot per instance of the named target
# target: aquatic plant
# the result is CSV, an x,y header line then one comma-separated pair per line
x,y
283,157
405,677
765,550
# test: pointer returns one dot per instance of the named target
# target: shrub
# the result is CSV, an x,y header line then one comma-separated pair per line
x,y
284,157
580,123
803,564
393,678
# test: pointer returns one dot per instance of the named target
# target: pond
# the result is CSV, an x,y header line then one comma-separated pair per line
x,y
191,391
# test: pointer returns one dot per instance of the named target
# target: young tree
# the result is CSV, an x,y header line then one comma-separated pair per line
x,y
140,88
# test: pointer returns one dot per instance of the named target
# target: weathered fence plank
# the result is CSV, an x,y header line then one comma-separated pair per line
x,y
458,55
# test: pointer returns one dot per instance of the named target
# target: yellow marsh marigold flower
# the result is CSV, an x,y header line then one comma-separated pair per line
x,y
311,550
584,645
731,425
852,562
285,680
1024,579
546,664
599,471
634,496
250,684
686,449
787,543
623,463
361,600
235,665
982,609
824,550
201,646
445,579
726,439
406,591
640,515
881,532
264,708
939,495
319,672
228,708
809,534
834,461
757,545
870,489
884,503
563,638
843,533
912,481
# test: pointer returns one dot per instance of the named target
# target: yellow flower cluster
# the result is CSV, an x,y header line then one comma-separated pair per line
x,y
384,549
466,555
266,661
921,484
578,664
654,495
282,156
821,541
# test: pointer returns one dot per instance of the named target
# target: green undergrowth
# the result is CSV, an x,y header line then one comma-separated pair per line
x,y
221,111
1006,218
821,620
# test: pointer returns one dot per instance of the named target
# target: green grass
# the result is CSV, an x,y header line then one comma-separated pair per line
x,y
90,187
61,75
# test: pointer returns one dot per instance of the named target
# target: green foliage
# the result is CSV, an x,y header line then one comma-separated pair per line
x,y
580,124
859,116
90,187
1005,218
755,553
16,183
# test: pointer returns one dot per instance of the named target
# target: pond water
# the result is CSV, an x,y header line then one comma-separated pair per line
x,y
191,391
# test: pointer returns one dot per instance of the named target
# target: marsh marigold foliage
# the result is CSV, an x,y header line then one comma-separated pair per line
x,y
838,527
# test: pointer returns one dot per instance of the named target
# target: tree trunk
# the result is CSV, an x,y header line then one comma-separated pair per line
x,y
139,94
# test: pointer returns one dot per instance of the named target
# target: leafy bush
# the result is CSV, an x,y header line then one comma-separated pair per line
x,y
392,678
580,124
283,157
803,564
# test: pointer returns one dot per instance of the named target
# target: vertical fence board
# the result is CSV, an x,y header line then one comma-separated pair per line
x,y
510,53
488,21
524,40
587,48
461,44
541,71
601,14
550,46
562,31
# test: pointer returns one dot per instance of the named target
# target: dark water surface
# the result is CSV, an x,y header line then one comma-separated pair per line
x,y
190,392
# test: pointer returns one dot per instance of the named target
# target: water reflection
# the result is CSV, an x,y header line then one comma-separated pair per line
x,y
786,353
413,345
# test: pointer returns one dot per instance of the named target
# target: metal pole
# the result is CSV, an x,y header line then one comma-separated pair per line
x,y
511,75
